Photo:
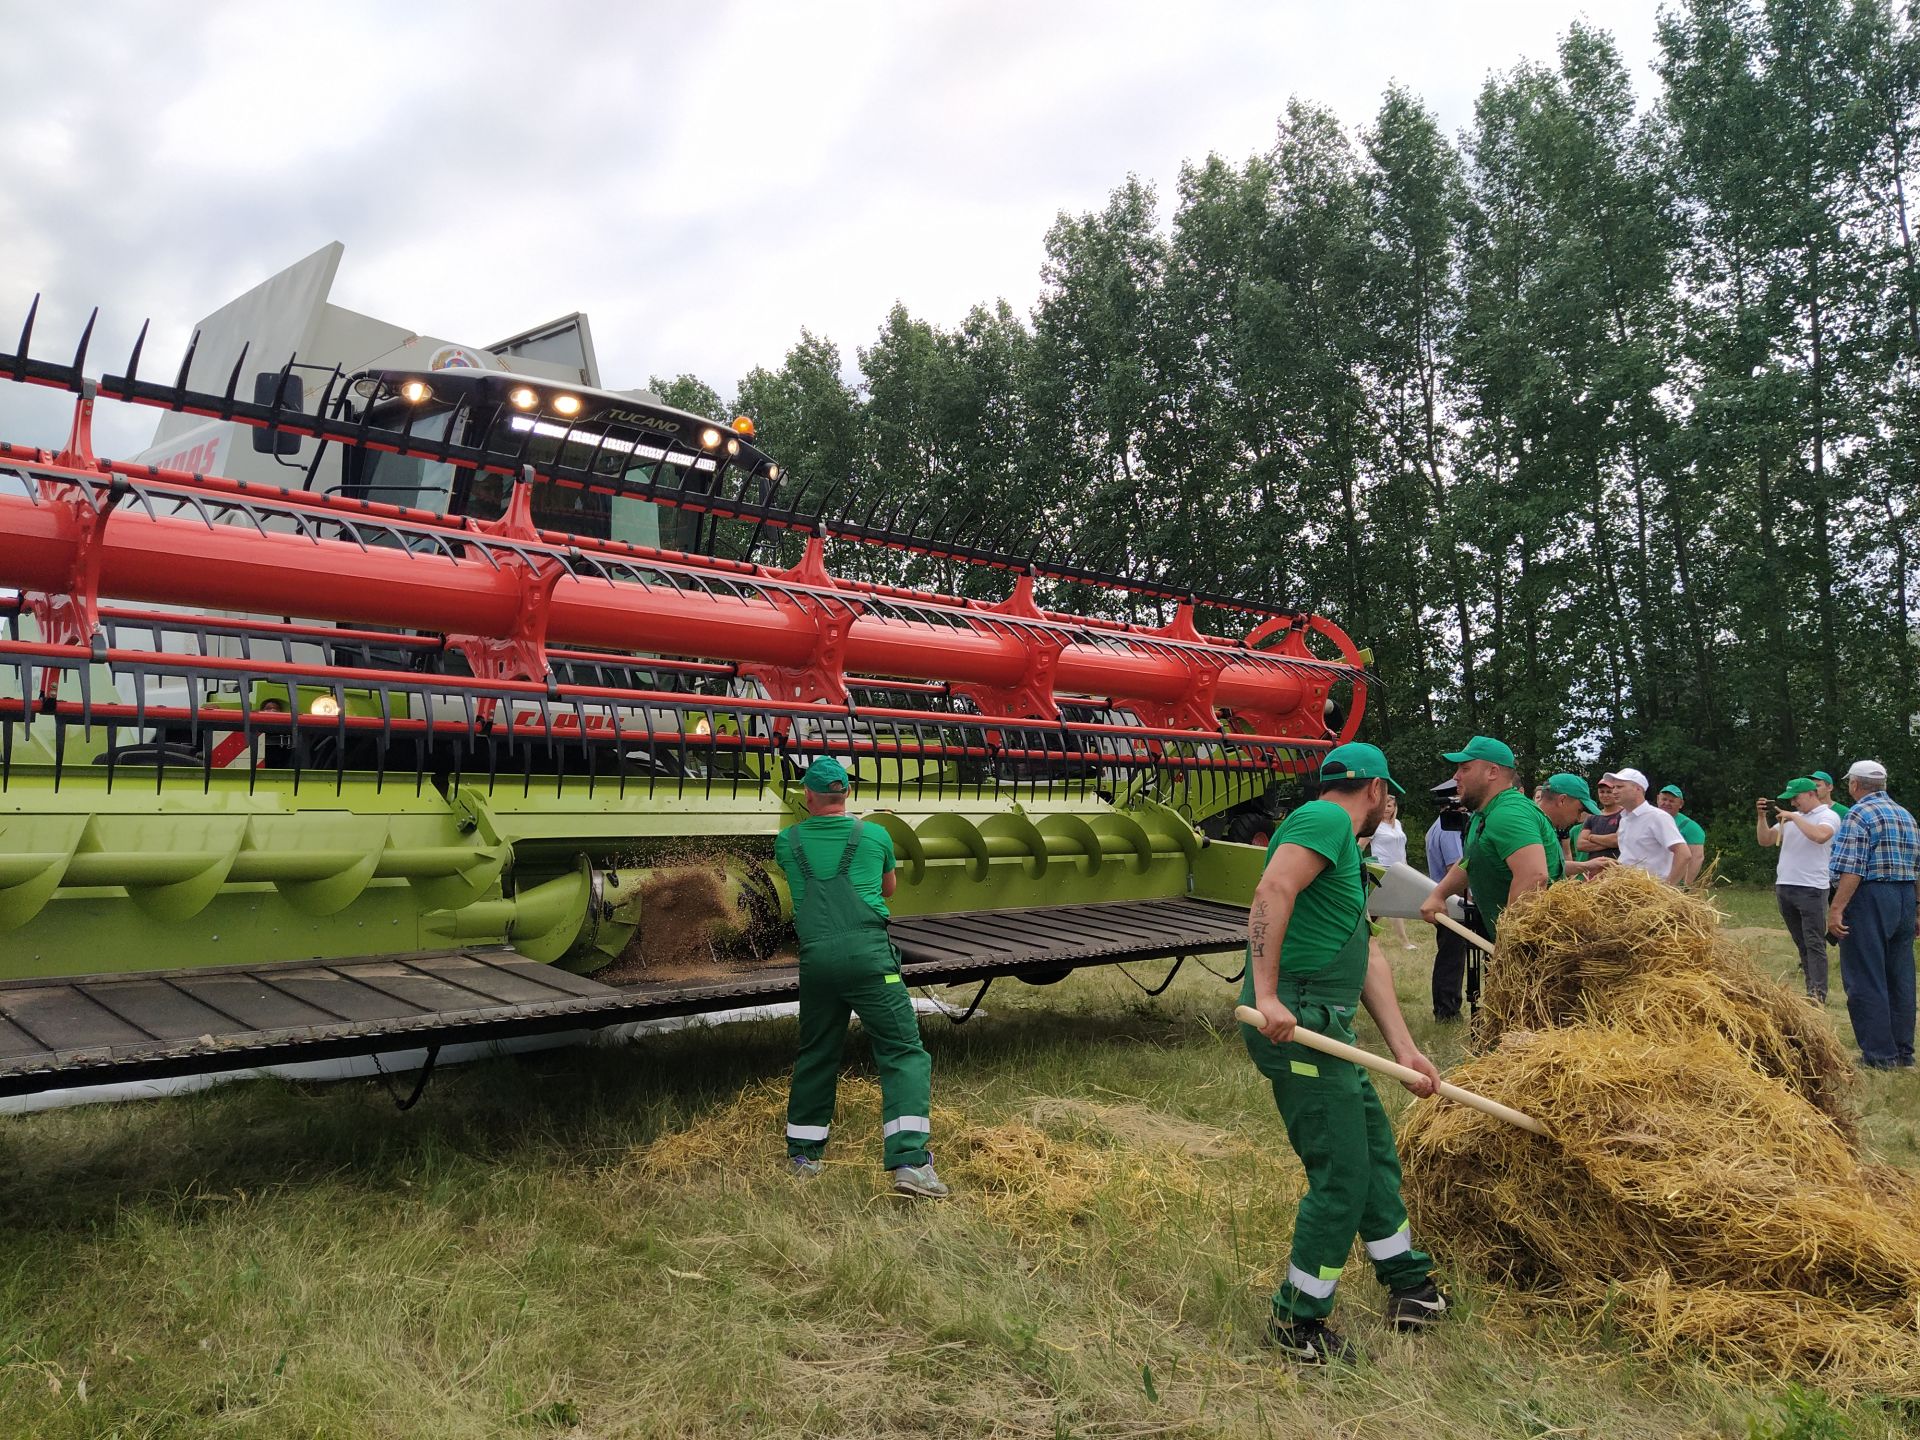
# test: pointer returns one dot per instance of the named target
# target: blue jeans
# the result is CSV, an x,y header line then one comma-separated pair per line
x,y
1876,966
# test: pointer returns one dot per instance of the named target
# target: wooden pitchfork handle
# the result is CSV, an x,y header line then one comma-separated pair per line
x,y
1314,1040
1473,935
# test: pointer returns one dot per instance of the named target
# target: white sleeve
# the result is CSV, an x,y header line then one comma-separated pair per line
x,y
1670,835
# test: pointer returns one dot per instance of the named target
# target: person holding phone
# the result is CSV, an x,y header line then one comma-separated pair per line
x,y
1802,826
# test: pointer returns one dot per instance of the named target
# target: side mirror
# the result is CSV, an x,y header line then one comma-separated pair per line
x,y
271,387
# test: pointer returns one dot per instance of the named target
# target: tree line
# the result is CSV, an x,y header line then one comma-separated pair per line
x,y
1598,422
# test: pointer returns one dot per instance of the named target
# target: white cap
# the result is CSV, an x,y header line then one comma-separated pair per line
x,y
1866,770
1630,775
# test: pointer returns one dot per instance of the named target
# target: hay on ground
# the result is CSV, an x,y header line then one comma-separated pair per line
x,y
1040,1175
1703,1192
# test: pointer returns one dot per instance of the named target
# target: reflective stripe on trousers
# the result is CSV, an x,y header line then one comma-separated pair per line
x,y
1398,1243
1319,1286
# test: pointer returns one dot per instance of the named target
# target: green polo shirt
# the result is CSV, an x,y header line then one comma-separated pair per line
x,y
1329,916
825,839
1690,830
1506,823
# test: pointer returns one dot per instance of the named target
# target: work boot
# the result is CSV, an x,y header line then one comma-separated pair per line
x,y
920,1182
1311,1342
1417,1308
803,1167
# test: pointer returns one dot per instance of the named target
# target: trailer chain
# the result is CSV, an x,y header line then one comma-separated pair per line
x,y
1178,961
419,1086
1233,979
960,1017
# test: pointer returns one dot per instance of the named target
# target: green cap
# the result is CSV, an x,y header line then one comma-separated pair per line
x,y
1801,786
1573,785
825,776
1358,761
1674,790
1822,776
1484,747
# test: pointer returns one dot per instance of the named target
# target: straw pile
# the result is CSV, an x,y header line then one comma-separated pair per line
x,y
1697,1194
1630,951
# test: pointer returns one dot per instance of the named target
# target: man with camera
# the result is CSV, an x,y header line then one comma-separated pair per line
x,y
1803,827
1445,839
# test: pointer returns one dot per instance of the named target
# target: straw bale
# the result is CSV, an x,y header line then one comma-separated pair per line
x,y
1686,1198
1628,950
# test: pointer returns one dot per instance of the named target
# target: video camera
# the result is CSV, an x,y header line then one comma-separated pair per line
x,y
1454,817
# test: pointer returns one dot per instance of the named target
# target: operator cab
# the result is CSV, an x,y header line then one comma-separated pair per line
x,y
591,444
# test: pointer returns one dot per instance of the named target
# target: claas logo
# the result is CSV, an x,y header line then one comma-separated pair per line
x,y
197,461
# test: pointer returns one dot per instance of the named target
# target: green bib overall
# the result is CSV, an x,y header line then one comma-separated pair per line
x,y
1337,1127
848,966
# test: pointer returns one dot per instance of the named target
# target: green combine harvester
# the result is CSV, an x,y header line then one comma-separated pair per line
x,y
440,707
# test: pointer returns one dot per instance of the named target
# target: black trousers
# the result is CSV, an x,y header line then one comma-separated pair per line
x,y
1449,972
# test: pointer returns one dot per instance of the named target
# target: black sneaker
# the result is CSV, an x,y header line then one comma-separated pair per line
x,y
1417,1308
1311,1342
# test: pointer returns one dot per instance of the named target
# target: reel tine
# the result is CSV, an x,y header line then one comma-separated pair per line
x,y
133,359
233,383
180,379
26,339
80,351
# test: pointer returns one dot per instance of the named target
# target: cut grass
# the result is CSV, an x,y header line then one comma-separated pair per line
x,y
601,1243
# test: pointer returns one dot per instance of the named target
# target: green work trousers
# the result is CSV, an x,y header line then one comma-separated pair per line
x,y
860,977
1341,1134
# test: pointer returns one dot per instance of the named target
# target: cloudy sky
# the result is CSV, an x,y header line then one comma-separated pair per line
x,y
703,180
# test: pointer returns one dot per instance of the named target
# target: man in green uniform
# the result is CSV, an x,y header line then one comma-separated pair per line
x,y
1671,798
1309,963
1565,800
841,870
1824,794
1511,849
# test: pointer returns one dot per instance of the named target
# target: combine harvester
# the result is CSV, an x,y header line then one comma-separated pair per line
x,y
434,694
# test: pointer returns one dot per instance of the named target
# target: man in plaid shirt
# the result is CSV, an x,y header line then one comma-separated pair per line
x,y
1876,872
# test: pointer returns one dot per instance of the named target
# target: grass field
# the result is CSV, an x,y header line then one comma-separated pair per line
x,y
601,1243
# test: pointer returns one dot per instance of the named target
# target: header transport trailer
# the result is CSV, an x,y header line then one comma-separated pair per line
x,y
407,693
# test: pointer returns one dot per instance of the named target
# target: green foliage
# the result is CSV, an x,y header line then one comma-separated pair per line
x,y
689,392
1802,1415
1600,424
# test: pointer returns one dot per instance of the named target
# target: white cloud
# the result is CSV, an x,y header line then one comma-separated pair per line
x,y
703,181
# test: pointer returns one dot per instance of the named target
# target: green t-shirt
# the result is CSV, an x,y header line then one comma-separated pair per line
x,y
1838,808
825,839
1329,916
1690,830
1506,823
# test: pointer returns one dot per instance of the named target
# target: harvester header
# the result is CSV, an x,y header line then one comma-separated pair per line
x,y
480,669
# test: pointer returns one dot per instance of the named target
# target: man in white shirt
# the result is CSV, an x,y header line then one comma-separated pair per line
x,y
1649,840
1804,832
